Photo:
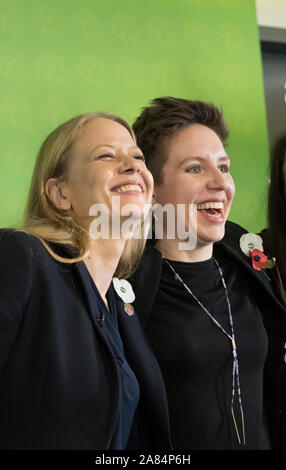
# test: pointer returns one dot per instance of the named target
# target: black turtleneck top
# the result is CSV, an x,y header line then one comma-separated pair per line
x,y
196,357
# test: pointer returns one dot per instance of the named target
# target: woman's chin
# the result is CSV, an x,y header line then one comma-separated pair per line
x,y
215,234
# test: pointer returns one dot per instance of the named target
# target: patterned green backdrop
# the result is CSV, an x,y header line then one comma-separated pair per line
x,y
59,58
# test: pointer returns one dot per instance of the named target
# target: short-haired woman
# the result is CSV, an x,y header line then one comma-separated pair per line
x,y
216,327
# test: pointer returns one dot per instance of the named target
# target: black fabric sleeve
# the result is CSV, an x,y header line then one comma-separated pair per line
x,y
15,286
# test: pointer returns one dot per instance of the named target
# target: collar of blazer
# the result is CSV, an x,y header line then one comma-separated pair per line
x,y
81,272
146,279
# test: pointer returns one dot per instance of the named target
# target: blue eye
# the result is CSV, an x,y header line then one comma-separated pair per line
x,y
193,169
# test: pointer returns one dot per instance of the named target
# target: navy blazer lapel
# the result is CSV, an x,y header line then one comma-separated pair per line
x,y
84,279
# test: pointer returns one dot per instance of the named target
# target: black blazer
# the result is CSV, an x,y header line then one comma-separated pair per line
x,y
145,283
58,376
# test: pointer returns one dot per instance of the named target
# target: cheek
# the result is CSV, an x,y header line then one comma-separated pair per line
x,y
190,190
85,189
150,182
95,181
230,189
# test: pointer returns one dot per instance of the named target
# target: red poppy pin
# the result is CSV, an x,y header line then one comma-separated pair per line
x,y
252,245
259,260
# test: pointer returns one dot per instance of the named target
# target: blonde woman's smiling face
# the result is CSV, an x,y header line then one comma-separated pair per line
x,y
198,171
105,162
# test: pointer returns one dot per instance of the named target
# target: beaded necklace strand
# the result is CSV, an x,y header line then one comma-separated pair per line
x,y
235,369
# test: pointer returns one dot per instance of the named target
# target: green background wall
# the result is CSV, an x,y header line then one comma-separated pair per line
x,y
60,58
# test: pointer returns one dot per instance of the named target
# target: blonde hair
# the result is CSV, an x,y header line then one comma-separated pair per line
x,y
43,220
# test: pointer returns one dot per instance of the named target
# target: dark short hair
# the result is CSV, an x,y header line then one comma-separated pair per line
x,y
167,115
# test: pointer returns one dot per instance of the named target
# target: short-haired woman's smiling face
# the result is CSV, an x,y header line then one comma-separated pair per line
x,y
197,171
106,162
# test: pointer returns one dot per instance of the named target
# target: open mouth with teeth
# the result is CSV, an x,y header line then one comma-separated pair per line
x,y
128,188
214,209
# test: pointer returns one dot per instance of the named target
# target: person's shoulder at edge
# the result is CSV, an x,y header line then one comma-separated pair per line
x,y
12,236
16,244
19,241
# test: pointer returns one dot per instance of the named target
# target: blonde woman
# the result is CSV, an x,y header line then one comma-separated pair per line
x,y
75,368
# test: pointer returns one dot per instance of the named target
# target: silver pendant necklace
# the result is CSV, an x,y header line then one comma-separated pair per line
x,y
231,337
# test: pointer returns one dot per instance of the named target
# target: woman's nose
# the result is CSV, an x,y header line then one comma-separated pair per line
x,y
217,179
129,165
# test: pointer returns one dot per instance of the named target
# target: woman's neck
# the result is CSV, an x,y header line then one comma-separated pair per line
x,y
170,250
102,260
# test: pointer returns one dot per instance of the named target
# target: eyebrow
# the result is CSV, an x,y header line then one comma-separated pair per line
x,y
201,159
135,147
93,149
